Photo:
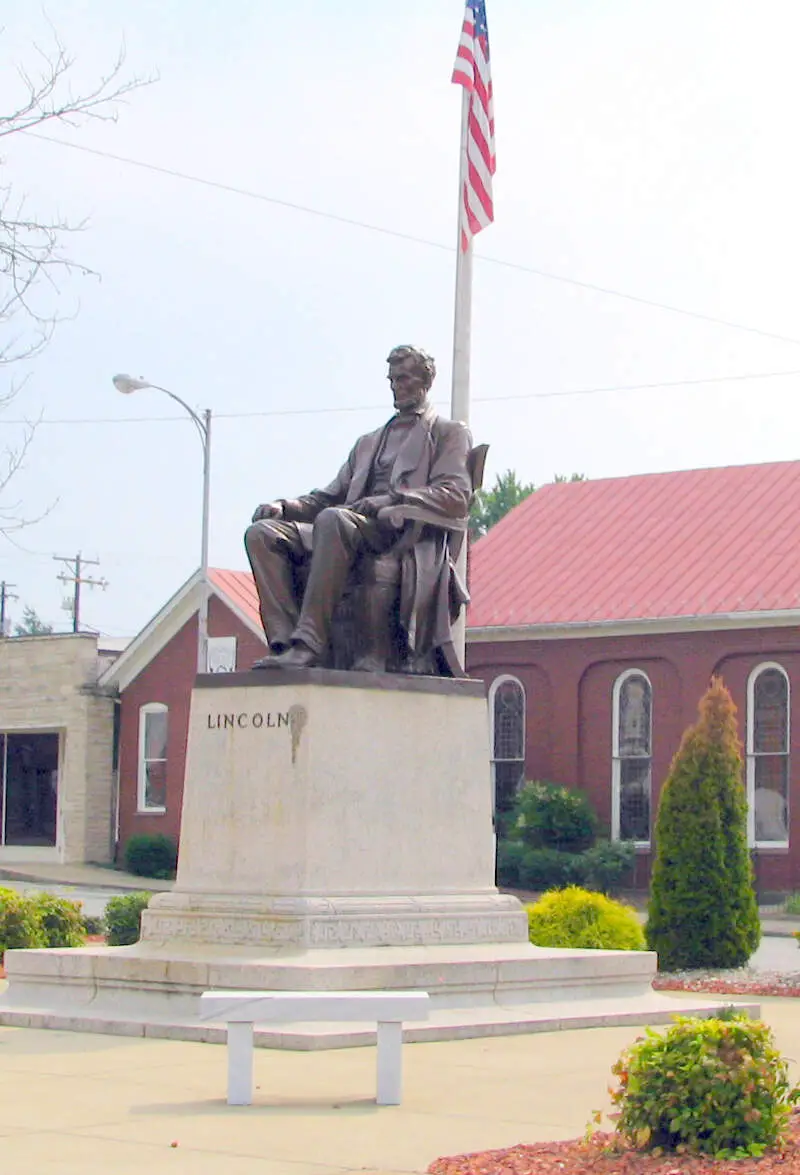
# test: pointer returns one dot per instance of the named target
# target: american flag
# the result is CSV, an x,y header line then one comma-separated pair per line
x,y
473,72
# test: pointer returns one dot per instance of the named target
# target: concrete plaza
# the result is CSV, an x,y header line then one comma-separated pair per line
x,y
74,1104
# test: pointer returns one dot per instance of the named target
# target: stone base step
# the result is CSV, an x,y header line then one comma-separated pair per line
x,y
444,1024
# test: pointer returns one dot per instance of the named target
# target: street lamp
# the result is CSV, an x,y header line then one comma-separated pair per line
x,y
127,384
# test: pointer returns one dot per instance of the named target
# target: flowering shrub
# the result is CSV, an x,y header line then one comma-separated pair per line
x,y
61,920
717,1086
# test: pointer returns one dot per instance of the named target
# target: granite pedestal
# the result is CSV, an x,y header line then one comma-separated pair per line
x,y
336,835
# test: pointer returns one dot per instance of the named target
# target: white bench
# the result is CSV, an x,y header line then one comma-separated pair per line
x,y
240,1010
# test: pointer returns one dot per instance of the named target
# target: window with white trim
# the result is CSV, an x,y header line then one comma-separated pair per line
x,y
221,654
768,756
153,731
507,710
632,742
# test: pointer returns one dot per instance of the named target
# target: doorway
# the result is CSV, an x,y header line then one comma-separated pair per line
x,y
29,788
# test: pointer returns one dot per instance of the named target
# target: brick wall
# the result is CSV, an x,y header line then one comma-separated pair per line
x,y
569,685
169,679
46,683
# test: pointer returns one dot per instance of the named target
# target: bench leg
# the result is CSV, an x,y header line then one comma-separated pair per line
x,y
390,1062
240,1064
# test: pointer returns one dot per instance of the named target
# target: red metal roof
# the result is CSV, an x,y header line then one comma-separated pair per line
x,y
240,589
704,542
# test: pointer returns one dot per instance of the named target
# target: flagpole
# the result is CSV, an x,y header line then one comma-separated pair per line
x,y
462,332
462,318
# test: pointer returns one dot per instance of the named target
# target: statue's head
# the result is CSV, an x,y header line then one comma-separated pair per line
x,y
411,374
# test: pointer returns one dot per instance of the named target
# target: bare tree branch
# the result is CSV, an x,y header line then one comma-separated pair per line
x,y
33,252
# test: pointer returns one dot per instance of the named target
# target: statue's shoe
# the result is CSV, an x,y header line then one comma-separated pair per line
x,y
369,665
299,656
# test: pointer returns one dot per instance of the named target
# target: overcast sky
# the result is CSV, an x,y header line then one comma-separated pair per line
x,y
645,147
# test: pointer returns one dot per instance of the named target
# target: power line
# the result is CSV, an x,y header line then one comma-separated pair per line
x,y
353,222
596,391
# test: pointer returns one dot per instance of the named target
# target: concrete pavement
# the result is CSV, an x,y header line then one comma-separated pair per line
x,y
74,1105
91,885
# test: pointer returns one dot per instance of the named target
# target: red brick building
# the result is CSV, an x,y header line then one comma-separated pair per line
x,y
153,679
599,612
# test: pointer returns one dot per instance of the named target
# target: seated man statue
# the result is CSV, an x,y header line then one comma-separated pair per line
x,y
385,521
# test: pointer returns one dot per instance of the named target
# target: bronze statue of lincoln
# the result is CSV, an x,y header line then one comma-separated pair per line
x,y
390,522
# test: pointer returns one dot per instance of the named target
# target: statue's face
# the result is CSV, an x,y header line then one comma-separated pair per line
x,y
408,389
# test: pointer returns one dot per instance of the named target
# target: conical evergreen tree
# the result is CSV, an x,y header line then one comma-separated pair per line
x,y
703,910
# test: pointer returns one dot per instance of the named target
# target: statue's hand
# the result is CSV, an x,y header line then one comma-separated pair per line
x,y
268,510
373,505
393,515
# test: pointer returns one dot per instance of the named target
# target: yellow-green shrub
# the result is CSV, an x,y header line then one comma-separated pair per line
x,y
575,918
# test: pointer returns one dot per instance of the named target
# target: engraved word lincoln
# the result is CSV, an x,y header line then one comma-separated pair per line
x,y
361,574
243,720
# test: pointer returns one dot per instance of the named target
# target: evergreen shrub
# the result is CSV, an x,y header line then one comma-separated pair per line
x,y
543,869
550,816
578,918
151,855
607,866
509,860
718,1087
123,918
702,911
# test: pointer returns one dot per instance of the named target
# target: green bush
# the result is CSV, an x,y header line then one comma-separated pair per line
x,y
542,869
549,816
509,860
575,918
606,866
718,1087
93,924
20,922
60,919
123,918
792,904
703,910
151,855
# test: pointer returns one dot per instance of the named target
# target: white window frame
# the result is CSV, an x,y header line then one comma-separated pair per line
x,y
227,645
503,679
616,762
141,807
752,755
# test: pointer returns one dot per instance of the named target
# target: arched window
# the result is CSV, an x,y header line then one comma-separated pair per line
x,y
768,755
153,731
507,710
632,738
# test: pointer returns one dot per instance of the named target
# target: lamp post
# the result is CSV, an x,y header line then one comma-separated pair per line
x,y
127,384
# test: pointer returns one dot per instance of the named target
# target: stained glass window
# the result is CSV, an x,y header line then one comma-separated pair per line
x,y
768,756
632,762
508,740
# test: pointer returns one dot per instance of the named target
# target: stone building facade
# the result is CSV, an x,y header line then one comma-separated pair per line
x,y
57,747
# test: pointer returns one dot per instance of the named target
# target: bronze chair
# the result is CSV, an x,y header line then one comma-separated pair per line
x,y
376,575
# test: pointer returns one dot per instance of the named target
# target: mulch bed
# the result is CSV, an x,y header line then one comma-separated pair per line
x,y
742,981
603,1155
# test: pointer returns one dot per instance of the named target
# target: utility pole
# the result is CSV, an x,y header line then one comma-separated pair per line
x,y
5,594
76,578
